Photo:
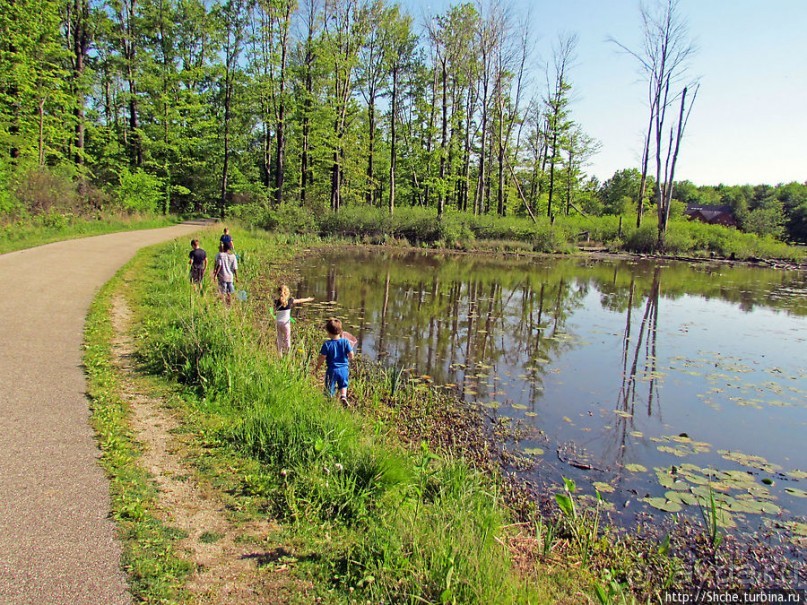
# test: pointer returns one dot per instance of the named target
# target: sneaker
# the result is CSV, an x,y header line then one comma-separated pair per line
x,y
344,400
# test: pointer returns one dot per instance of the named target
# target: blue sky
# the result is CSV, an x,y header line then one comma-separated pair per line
x,y
749,123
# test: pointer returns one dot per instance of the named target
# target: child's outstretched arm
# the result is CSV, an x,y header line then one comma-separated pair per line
x,y
303,300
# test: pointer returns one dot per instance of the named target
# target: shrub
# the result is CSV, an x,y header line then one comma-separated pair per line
x,y
140,191
550,239
353,221
257,214
643,240
42,190
8,203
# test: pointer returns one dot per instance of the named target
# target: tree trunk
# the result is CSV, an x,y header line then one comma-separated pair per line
x,y
41,132
305,168
280,154
393,141
81,45
552,173
441,200
371,189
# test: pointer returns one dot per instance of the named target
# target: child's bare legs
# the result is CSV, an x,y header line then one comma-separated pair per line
x,y
283,337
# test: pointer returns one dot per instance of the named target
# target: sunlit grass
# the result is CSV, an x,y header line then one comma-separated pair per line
x,y
38,231
412,526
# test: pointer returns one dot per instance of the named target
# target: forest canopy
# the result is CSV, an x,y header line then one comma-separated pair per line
x,y
197,106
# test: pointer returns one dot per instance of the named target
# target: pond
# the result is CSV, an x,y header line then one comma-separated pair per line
x,y
653,383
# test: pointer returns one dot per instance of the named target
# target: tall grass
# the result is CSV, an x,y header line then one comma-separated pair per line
x,y
415,526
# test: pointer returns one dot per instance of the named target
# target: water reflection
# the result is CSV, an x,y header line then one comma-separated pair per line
x,y
610,360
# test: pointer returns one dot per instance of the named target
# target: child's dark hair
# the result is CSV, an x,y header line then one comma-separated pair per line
x,y
333,326
194,242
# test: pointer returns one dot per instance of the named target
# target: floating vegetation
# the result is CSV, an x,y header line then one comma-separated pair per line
x,y
755,462
794,491
623,414
602,487
689,485
681,445
635,468
663,504
534,451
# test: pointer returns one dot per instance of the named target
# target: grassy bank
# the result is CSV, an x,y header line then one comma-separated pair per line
x,y
382,518
48,228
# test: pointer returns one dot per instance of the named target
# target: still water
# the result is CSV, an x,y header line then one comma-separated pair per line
x,y
652,383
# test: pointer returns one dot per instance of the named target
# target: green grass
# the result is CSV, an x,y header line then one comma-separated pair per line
x,y
46,229
386,521
156,573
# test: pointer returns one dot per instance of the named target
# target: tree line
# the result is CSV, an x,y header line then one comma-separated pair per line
x,y
200,105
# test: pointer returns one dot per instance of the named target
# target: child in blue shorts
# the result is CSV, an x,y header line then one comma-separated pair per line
x,y
336,352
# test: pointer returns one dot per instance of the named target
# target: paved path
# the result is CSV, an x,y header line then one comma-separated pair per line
x,y
57,543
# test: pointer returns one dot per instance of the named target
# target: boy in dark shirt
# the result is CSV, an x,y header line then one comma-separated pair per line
x,y
226,239
197,259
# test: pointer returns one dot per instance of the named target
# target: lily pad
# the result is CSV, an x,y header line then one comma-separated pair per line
x,y
687,498
623,414
604,488
663,504
726,521
746,506
770,508
798,528
635,468
681,445
794,491
673,450
534,451
755,462
797,474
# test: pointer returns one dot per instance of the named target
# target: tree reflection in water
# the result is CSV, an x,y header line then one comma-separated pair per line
x,y
544,340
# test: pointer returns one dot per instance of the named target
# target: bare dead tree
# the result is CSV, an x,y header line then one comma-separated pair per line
x,y
663,60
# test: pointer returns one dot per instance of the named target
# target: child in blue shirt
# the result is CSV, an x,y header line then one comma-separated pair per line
x,y
336,352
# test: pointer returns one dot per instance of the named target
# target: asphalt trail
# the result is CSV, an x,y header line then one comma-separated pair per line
x,y
57,542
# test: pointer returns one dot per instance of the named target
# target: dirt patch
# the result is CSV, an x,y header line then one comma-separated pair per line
x,y
228,567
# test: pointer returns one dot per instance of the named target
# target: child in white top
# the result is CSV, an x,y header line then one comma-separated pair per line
x,y
283,305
